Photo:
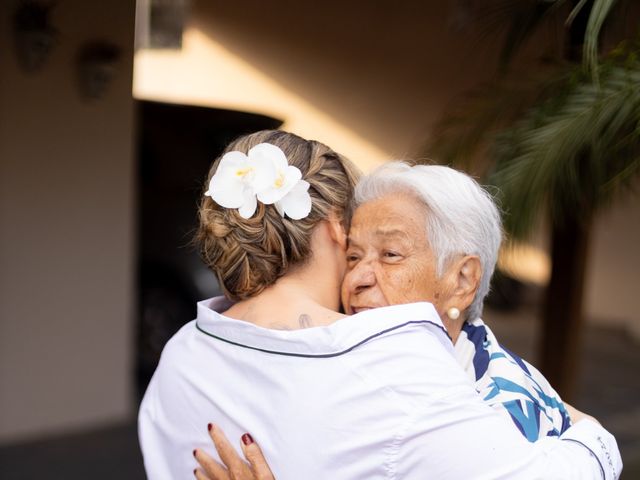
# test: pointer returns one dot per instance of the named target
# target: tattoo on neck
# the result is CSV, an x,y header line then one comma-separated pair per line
x,y
305,321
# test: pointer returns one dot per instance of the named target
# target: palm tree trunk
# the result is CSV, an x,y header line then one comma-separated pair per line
x,y
562,313
562,320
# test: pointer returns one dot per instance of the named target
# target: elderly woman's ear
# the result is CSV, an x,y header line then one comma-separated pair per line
x,y
463,278
468,272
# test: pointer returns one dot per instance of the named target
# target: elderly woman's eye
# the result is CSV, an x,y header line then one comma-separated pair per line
x,y
352,258
390,254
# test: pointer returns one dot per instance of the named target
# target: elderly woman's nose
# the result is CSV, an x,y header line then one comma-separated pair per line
x,y
361,277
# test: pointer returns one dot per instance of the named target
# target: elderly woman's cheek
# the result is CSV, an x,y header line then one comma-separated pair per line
x,y
420,283
399,285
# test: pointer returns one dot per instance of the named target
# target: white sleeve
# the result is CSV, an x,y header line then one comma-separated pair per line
x,y
601,445
486,446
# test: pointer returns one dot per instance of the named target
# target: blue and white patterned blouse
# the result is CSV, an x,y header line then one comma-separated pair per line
x,y
510,384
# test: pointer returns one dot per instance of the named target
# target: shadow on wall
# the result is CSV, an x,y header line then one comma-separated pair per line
x,y
176,146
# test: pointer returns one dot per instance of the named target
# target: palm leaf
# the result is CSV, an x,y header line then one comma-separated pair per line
x,y
571,155
521,19
576,10
599,13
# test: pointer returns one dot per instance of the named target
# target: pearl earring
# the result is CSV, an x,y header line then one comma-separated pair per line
x,y
453,313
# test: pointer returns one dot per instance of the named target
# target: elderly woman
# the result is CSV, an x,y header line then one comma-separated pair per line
x,y
377,394
431,233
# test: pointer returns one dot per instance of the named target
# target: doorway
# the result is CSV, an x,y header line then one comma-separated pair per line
x,y
176,146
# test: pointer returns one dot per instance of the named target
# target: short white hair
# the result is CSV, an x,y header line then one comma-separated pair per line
x,y
462,218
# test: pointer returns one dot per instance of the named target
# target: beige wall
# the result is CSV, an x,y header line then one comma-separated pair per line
x,y
66,232
613,285
386,69
368,78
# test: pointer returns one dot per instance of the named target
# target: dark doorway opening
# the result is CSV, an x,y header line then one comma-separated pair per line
x,y
176,146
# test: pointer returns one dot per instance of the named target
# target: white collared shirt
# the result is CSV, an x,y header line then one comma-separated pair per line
x,y
377,395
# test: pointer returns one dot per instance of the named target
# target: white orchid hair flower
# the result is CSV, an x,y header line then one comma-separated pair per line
x,y
263,174
234,183
297,203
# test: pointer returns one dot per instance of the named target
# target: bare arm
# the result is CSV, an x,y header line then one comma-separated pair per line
x,y
576,415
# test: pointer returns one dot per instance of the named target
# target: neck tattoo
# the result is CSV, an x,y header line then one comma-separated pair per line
x,y
305,321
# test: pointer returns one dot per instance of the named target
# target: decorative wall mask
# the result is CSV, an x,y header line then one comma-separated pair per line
x,y
34,36
96,65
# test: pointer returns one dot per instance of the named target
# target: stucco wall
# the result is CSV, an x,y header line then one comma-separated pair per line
x,y
66,231
613,283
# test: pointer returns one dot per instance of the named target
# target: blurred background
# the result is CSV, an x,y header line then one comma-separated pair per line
x,y
111,112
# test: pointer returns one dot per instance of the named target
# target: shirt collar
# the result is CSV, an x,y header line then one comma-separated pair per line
x,y
338,338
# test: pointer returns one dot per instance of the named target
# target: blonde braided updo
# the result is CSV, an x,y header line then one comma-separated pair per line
x,y
248,255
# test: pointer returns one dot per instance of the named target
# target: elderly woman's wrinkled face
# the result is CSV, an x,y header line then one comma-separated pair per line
x,y
388,256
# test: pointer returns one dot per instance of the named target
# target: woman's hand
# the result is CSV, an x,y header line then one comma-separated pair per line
x,y
576,415
234,468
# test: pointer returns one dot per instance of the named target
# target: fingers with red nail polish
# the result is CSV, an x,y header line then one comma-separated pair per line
x,y
236,468
247,439
259,467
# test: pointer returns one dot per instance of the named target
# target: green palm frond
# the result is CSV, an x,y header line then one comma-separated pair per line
x,y
597,16
575,11
569,156
522,18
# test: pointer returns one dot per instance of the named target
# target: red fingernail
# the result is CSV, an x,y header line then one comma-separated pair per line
x,y
209,427
247,439
194,452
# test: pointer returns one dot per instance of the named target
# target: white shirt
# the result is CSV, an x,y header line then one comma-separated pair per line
x,y
377,395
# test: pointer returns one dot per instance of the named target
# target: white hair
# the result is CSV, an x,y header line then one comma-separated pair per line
x,y
462,218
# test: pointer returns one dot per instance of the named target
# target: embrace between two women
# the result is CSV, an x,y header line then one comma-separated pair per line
x,y
407,383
